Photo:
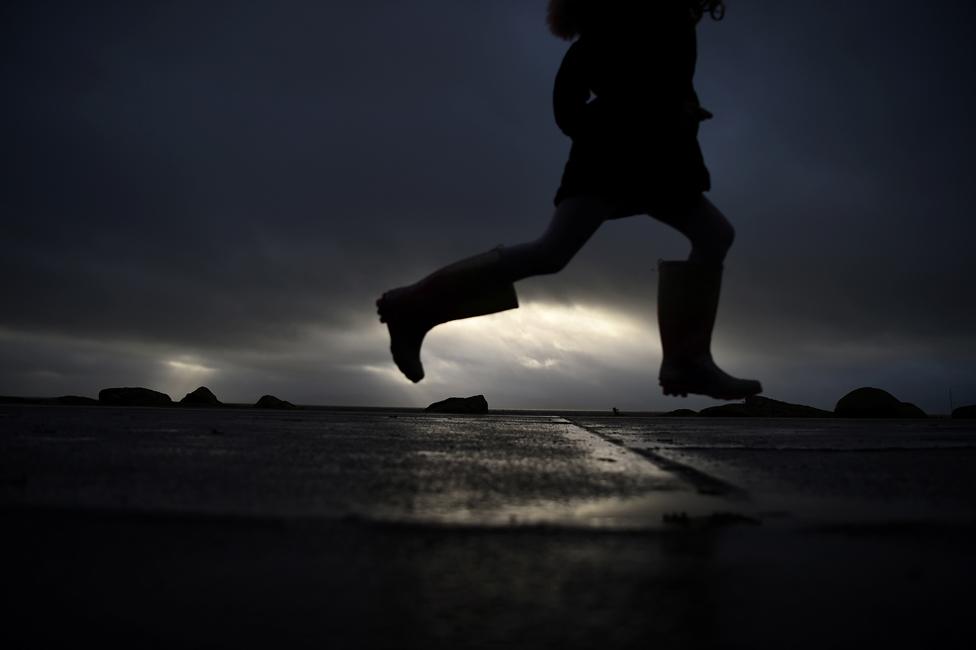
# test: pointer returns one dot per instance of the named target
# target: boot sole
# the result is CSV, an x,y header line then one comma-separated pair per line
x,y
672,389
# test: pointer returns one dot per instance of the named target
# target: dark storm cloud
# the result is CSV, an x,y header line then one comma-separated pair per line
x,y
260,159
220,179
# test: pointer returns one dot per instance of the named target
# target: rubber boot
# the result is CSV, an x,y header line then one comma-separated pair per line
x,y
687,300
470,287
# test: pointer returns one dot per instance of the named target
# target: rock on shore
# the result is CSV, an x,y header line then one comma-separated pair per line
x,y
680,413
473,404
964,413
75,400
133,397
870,402
202,396
272,402
763,407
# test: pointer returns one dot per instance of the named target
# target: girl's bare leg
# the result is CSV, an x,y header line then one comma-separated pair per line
x,y
482,284
572,225
710,233
688,299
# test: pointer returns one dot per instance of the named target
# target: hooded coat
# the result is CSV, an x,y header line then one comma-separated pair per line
x,y
625,95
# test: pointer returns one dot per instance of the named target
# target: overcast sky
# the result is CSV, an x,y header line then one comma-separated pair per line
x,y
216,192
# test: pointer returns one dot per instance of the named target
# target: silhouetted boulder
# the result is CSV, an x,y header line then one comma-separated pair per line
x,y
908,410
75,400
736,410
763,407
474,404
964,413
202,396
680,413
133,397
272,402
875,403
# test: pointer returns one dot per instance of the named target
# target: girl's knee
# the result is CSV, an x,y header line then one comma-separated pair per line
x,y
725,236
711,244
548,262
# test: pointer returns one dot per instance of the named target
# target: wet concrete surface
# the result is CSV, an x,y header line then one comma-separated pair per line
x,y
222,528
315,464
827,469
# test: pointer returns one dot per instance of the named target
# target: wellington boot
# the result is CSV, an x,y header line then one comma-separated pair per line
x,y
687,301
470,287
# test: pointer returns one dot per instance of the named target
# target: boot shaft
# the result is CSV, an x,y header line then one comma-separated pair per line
x,y
473,286
688,296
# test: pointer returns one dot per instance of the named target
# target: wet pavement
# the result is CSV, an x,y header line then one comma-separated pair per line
x,y
240,528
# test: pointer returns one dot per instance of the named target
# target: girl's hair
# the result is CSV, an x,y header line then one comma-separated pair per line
x,y
715,9
566,17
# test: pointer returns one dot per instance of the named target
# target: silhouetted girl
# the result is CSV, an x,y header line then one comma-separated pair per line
x,y
624,94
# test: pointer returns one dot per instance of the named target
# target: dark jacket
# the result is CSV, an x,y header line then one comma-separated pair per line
x,y
625,95
630,72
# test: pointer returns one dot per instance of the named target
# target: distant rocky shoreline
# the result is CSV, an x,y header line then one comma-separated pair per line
x,y
146,397
862,403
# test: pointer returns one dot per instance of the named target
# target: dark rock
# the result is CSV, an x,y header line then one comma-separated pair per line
x,y
202,396
680,413
875,403
75,400
964,413
272,402
867,403
474,404
737,410
763,407
908,410
133,397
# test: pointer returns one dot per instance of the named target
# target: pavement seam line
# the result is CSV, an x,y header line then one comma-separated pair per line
x,y
700,481
624,459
